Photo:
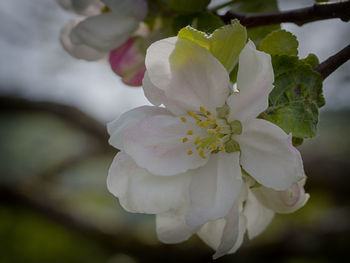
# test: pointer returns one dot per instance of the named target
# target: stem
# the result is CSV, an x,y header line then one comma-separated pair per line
x,y
328,66
300,16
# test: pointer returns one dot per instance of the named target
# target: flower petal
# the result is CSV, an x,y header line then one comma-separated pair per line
x,y
82,7
142,192
156,143
283,202
214,188
171,227
213,232
268,155
254,81
258,216
128,62
104,32
188,74
78,51
136,8
117,128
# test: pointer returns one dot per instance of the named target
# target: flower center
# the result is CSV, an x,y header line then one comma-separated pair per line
x,y
219,132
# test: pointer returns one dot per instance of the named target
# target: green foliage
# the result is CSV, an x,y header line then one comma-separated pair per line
x,y
312,60
257,6
280,42
254,6
187,6
207,22
225,43
294,102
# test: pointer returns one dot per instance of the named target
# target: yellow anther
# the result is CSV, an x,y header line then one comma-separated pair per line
x,y
218,140
222,148
208,113
202,109
211,131
189,112
183,119
218,128
201,154
203,124
213,147
189,152
190,132
184,140
197,140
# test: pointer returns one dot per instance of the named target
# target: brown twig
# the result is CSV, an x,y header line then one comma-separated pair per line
x,y
328,66
300,16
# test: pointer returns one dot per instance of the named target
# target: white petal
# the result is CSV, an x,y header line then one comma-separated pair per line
x,y
155,143
117,128
188,74
214,188
82,7
268,155
142,192
254,82
135,8
78,51
212,234
258,216
171,227
283,202
104,32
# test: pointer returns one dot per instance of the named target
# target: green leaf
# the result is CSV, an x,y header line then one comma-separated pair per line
x,y
225,43
188,6
182,21
280,42
294,102
312,60
256,34
207,22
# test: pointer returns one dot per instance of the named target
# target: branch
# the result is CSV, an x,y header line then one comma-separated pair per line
x,y
71,114
300,16
328,66
124,240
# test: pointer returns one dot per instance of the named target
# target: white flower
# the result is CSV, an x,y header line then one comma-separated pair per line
x,y
184,162
101,26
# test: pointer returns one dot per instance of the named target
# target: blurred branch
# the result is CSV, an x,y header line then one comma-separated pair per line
x,y
328,66
123,241
70,114
300,16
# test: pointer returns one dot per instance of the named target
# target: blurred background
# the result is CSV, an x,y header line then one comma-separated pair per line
x,y
54,156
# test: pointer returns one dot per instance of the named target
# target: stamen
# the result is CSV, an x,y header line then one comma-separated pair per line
x,y
183,119
213,147
222,148
197,140
189,152
190,132
218,128
208,113
211,131
201,154
218,140
184,140
201,108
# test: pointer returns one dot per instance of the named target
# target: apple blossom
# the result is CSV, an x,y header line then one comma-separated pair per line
x,y
204,163
101,26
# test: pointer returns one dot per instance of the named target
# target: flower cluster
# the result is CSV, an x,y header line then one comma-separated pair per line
x,y
204,163
105,27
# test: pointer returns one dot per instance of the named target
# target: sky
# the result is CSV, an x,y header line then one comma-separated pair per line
x,y
33,63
